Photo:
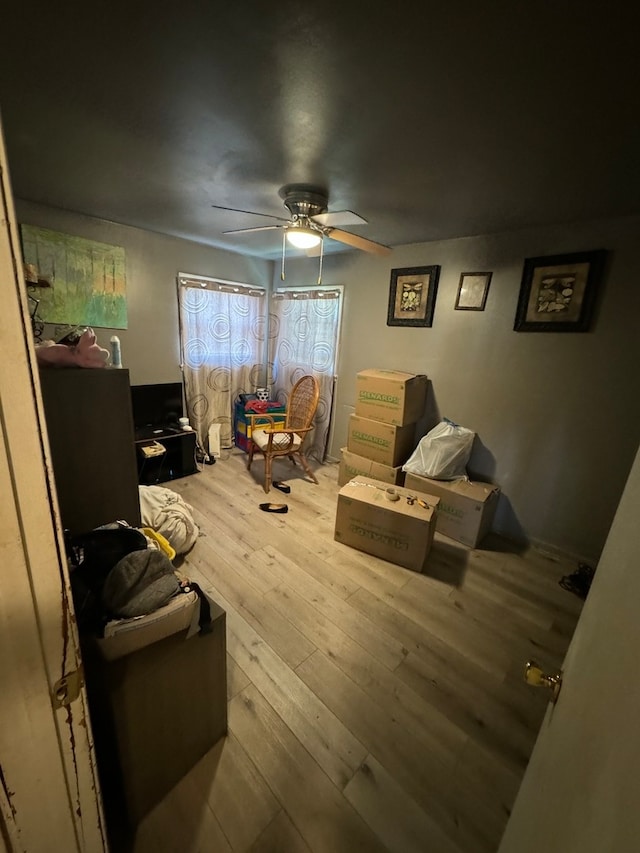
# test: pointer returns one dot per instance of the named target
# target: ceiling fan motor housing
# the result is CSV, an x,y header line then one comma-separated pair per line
x,y
304,200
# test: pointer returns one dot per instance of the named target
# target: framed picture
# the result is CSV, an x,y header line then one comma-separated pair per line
x,y
472,291
558,292
87,278
412,296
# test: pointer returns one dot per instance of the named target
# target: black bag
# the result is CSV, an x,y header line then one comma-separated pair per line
x,y
92,556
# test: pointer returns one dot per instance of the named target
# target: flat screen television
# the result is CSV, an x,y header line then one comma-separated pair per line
x,y
156,405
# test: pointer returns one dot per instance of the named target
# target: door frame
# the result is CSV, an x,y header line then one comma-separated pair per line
x,y
49,791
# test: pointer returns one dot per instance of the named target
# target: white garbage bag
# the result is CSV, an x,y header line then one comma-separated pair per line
x,y
442,453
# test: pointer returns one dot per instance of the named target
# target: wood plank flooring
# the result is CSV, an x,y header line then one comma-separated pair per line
x,y
370,708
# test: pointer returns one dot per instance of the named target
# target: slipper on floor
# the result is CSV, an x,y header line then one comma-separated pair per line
x,y
283,487
274,507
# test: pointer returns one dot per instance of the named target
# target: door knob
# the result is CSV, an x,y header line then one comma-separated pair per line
x,y
534,676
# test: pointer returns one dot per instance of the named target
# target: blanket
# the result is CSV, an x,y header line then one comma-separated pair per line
x,y
168,513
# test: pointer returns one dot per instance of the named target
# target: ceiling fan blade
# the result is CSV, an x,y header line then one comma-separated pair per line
x,y
339,217
250,212
258,228
358,242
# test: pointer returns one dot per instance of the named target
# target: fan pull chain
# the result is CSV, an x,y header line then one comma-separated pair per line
x,y
284,241
321,258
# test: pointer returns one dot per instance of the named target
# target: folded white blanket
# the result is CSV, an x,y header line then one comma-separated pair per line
x,y
168,513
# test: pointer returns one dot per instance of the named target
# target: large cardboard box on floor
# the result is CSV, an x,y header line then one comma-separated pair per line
x,y
466,508
397,531
352,465
391,445
390,396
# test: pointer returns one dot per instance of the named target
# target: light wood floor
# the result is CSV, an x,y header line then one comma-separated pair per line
x,y
370,707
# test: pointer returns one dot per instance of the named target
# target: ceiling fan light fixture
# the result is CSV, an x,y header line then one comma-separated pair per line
x,y
303,238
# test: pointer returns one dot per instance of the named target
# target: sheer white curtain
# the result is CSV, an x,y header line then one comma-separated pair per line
x,y
303,338
222,332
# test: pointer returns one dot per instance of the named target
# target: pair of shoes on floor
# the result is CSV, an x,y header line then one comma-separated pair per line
x,y
283,487
274,508
579,582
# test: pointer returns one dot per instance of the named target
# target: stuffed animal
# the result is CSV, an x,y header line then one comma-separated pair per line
x,y
85,353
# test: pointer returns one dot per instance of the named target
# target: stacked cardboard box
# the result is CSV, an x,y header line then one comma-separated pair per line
x,y
390,396
382,430
352,465
466,508
373,515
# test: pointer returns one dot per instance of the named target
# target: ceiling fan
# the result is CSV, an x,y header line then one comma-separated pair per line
x,y
310,222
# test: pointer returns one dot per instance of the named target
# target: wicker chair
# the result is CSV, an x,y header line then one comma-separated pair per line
x,y
288,439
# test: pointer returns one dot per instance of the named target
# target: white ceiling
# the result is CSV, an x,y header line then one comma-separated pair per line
x,y
429,120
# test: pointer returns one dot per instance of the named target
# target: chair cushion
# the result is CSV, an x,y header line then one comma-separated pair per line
x,y
280,440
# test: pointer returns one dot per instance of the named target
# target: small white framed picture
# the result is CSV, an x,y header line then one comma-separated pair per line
x,y
472,291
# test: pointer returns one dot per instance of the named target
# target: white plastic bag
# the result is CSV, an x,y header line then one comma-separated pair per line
x,y
443,453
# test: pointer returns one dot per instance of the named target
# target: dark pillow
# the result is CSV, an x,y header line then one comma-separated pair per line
x,y
139,583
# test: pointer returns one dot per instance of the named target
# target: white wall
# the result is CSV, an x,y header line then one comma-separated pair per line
x,y
557,416
150,346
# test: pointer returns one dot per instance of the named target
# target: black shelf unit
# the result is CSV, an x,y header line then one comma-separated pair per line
x,y
178,459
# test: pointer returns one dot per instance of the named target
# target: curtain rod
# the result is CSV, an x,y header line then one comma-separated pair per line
x,y
204,282
310,294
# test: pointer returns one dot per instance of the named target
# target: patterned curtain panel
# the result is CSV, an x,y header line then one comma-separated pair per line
x,y
303,335
222,328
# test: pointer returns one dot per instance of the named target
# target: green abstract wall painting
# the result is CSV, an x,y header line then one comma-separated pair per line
x,y
88,281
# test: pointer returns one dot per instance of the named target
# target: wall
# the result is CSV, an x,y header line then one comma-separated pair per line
x,y
150,346
556,415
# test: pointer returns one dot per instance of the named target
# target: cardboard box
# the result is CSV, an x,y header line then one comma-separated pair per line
x,y
391,445
466,509
366,519
390,396
352,465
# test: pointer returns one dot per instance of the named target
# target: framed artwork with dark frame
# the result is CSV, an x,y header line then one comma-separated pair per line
x,y
473,291
558,292
412,296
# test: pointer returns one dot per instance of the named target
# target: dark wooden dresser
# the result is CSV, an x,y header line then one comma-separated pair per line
x,y
90,428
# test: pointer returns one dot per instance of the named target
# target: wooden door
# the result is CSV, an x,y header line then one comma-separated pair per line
x,y
580,790
49,797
